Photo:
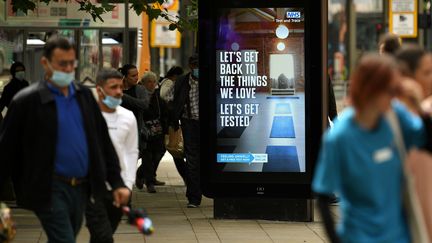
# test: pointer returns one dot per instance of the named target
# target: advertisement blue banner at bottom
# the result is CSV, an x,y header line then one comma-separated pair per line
x,y
245,158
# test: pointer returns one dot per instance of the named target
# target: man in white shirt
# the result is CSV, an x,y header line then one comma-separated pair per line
x,y
101,216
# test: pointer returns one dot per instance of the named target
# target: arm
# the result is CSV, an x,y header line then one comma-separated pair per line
x,y
134,104
329,223
131,157
5,97
332,108
412,126
327,178
10,139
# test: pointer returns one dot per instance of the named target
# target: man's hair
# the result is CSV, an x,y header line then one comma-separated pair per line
x,y
125,69
176,70
107,73
148,76
54,43
391,43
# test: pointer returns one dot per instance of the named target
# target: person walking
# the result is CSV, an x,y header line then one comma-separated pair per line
x,y
137,99
167,94
55,144
102,217
186,109
416,66
155,125
360,163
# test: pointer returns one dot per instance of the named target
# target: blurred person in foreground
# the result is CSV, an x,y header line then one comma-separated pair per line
x,y
167,94
186,110
359,161
54,142
416,66
155,126
102,217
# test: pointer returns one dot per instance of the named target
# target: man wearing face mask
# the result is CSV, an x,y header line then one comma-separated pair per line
x,y
186,109
55,143
102,217
17,83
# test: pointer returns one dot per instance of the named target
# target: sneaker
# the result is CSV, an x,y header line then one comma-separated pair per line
x,y
151,188
139,183
193,205
159,183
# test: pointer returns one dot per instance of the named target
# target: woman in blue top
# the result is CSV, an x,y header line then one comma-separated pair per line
x,y
359,160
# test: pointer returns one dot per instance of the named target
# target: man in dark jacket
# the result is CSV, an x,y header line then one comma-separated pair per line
x,y
186,109
54,142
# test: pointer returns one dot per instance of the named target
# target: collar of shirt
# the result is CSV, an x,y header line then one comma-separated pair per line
x,y
192,80
57,92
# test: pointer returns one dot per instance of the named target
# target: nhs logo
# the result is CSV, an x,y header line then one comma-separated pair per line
x,y
293,15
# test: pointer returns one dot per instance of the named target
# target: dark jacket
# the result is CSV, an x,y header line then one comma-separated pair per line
x,y
137,100
158,109
10,91
28,137
181,98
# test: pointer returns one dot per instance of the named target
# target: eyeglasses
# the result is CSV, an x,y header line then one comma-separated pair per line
x,y
65,64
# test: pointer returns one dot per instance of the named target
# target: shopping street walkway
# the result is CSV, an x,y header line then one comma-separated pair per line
x,y
176,223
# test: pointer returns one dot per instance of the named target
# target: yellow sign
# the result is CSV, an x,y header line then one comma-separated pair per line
x,y
170,5
403,18
161,36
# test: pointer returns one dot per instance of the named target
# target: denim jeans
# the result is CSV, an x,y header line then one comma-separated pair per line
x,y
62,222
191,136
102,219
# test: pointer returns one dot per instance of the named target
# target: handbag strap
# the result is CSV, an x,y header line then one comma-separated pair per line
x,y
397,133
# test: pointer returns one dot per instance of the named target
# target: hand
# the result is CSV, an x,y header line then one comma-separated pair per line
x,y
121,196
412,95
427,105
412,90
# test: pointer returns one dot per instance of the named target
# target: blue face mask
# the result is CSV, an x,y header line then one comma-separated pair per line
x,y
20,75
111,101
195,72
61,79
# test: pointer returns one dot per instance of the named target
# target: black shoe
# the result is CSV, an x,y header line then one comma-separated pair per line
x,y
334,200
151,188
193,205
159,183
139,183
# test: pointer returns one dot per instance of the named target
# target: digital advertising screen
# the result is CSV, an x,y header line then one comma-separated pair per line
x,y
262,73
260,90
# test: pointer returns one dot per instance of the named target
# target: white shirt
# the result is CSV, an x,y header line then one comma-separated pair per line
x,y
123,130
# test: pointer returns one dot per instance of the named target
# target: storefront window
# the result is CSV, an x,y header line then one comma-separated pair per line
x,y
11,50
337,40
89,56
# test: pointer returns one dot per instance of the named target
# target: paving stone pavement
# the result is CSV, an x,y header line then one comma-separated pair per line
x,y
175,223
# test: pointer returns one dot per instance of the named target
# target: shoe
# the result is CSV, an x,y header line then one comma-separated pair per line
x,y
193,205
334,200
159,183
139,183
151,188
